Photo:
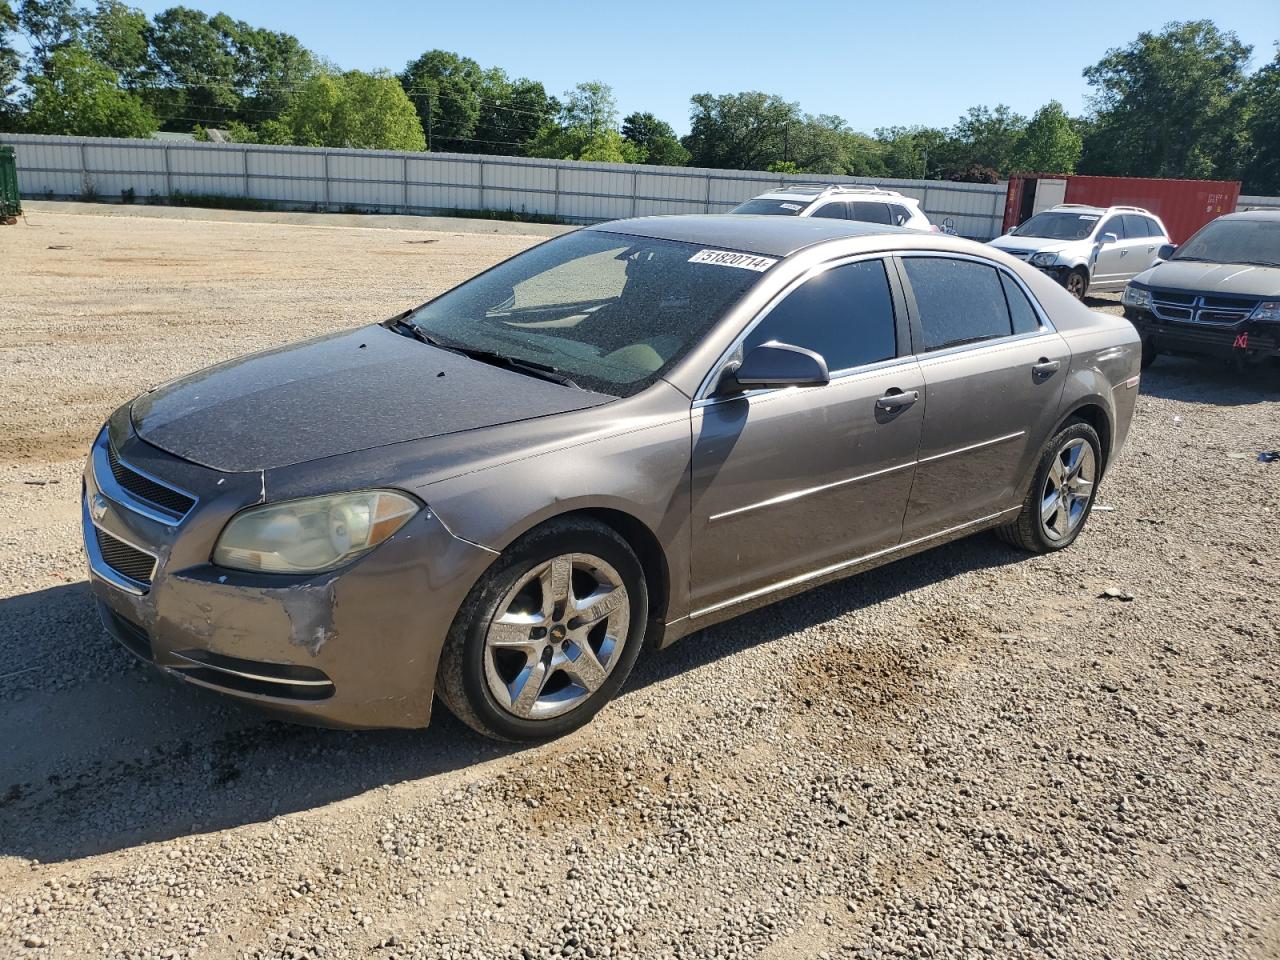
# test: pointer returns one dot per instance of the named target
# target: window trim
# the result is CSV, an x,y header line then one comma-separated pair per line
x,y
917,331
901,327
844,210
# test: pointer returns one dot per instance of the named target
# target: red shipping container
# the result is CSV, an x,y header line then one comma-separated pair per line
x,y
1183,205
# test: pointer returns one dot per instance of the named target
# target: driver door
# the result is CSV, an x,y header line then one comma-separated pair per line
x,y
789,481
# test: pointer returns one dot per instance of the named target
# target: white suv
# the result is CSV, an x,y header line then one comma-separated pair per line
x,y
869,204
1088,248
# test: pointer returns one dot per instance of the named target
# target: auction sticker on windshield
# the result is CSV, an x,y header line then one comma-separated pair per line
x,y
727,258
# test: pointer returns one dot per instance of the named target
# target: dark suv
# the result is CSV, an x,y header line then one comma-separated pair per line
x,y
1216,295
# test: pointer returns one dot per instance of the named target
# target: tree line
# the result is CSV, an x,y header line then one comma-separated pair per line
x,y
1183,101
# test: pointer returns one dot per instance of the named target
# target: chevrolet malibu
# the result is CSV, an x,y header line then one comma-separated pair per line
x,y
600,445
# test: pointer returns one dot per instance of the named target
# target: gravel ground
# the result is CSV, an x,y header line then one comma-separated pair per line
x,y
970,753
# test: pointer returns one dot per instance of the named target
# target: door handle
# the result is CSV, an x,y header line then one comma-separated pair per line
x,y
1046,367
896,399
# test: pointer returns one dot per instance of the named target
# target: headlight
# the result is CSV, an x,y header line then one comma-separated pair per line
x,y
312,535
1267,310
1136,297
1043,259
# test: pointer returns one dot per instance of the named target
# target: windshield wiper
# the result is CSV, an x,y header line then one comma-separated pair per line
x,y
531,368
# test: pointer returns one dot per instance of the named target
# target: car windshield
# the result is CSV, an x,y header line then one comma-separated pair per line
x,y
1235,241
776,208
1058,226
608,311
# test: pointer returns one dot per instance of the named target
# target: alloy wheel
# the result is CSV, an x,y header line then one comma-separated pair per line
x,y
556,636
1076,285
1068,489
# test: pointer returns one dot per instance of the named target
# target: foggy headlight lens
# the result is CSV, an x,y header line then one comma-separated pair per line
x,y
1043,259
1136,297
312,535
1268,310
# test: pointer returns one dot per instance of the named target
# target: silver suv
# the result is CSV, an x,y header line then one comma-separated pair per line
x,y
839,202
1088,248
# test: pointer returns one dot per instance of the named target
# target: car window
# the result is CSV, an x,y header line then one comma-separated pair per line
x,y
958,301
870,212
900,214
609,311
1055,225
832,211
1114,225
773,208
1021,312
1153,229
845,314
1136,227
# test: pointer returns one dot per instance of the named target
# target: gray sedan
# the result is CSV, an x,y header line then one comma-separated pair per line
x,y
603,444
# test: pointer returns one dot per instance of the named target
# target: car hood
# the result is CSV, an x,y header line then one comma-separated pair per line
x,y
1030,244
337,394
1239,278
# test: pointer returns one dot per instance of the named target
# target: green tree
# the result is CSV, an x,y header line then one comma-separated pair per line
x,y
988,138
591,107
79,96
116,35
354,109
443,88
1050,143
48,26
1262,170
10,66
196,70
511,112
269,65
656,140
1170,104
739,131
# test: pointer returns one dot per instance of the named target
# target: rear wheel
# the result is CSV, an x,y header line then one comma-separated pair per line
x,y
548,635
1062,493
1077,283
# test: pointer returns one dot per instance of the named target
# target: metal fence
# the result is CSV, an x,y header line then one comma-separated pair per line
x,y
392,182
1258,203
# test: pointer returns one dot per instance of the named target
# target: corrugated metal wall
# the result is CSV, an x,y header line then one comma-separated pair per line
x,y
70,167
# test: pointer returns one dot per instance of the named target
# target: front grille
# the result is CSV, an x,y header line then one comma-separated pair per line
x,y
144,488
123,559
1216,311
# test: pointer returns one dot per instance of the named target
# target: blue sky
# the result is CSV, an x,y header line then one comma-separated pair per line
x,y
875,65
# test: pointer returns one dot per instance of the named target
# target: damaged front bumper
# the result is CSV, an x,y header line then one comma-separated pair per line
x,y
354,647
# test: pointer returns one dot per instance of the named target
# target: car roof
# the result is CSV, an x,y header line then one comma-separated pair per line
x,y
1252,215
765,235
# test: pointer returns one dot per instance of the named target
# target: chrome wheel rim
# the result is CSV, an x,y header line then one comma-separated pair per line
x,y
1068,490
557,636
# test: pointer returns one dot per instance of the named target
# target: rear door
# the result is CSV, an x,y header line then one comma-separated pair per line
x,y
1115,261
786,482
994,372
870,211
1143,240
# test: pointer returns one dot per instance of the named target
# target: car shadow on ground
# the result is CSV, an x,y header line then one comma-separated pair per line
x,y
99,752
1212,381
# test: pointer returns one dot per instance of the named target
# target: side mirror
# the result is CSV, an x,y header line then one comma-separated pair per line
x,y
1109,238
1166,251
775,364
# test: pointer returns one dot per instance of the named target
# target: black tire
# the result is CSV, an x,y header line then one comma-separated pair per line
x,y
1149,352
1077,283
1027,532
460,678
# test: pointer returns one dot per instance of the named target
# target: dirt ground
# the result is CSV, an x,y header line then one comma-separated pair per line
x,y
970,753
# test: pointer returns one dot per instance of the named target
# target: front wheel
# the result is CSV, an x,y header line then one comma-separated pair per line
x,y
1062,493
1077,283
548,635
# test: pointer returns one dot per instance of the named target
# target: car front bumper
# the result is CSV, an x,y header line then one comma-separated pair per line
x,y
356,647
1246,341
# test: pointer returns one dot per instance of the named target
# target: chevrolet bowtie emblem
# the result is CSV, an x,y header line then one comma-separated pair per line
x,y
98,507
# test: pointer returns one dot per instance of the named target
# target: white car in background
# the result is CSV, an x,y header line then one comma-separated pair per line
x,y
838,202
1088,248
